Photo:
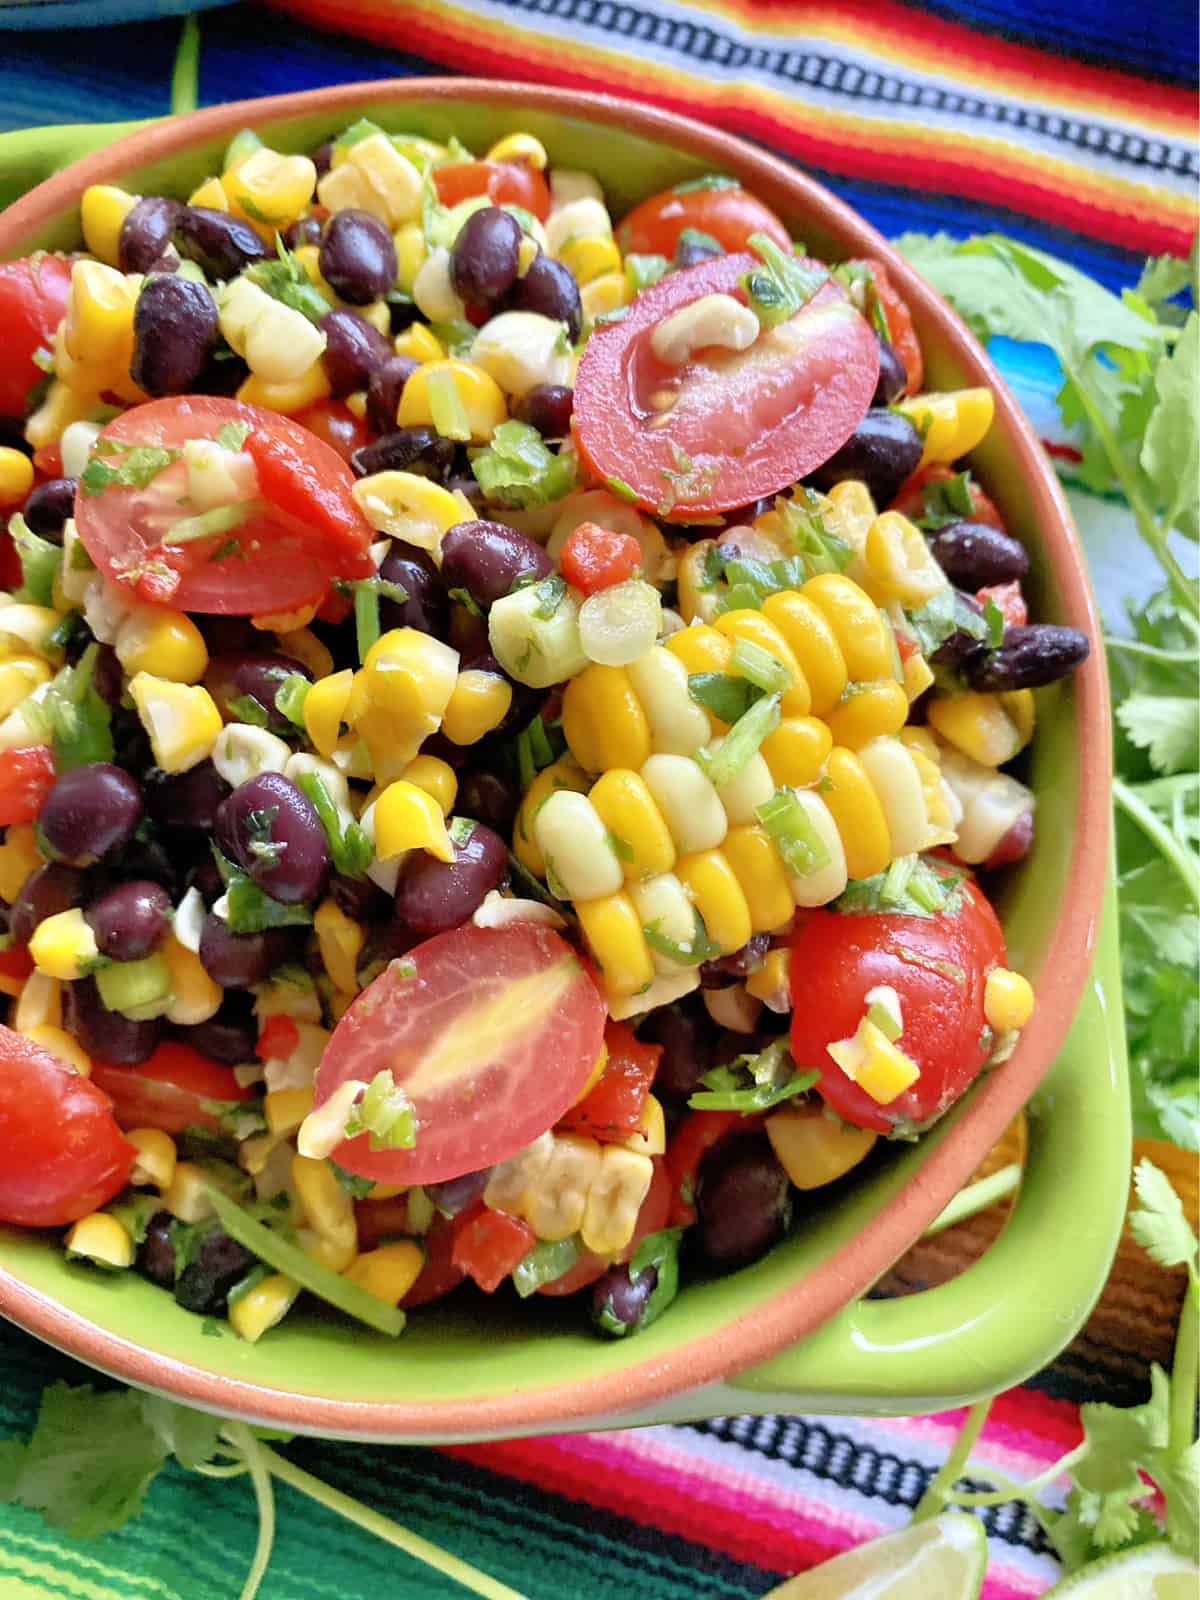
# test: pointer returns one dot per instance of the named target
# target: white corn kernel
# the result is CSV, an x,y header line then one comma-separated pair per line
x,y
678,726
691,807
432,290
324,1128
664,991
662,904
568,185
894,776
752,787
585,217
733,1008
188,922
575,846
243,751
714,319
75,446
555,1208
374,177
615,1198
515,1177
521,349
826,882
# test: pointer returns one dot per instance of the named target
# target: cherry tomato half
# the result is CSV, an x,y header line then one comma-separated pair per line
x,y
174,1088
492,1032
727,213
595,558
505,183
63,1154
937,965
308,531
26,778
742,425
900,325
33,301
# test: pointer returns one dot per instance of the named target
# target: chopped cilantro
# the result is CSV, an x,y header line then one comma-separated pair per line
x,y
139,466
782,285
518,469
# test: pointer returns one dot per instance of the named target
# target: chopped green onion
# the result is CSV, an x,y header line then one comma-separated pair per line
x,y
40,560
130,985
723,1092
460,829
884,1018
64,631
621,489
233,435
349,845
742,597
710,180
700,950
548,1260
760,667
366,616
139,466
518,469
364,128
994,618
290,697
896,879
247,709
385,1114
219,520
793,832
245,142
539,744
699,240
446,406
74,718
819,550
722,765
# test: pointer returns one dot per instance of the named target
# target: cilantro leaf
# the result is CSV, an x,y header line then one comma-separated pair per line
x,y
139,465
1170,453
40,560
782,285
1166,726
1158,1223
518,470
753,1082
285,280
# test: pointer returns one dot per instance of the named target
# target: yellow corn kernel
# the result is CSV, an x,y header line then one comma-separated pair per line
x,y
341,941
19,676
701,648
262,1307
418,342
16,476
604,294
356,403
63,945
304,646
411,251
771,983
1019,704
403,505
194,995
287,398
101,1239
863,637
697,602
628,810
338,1255
39,1003
327,1206
408,818
62,406
852,511
375,177
755,863
62,1044
977,724
388,1272
480,702
210,194
400,696
515,1178
857,814
481,396
155,1162
309,257
325,710
565,773
920,739
899,563
98,327
589,259
952,423
711,884
270,190
284,621
286,1109
164,643
28,627
918,676
438,778
521,148
814,1149
867,711
613,931
1007,1000
186,1196
102,210
614,1199
603,722
649,1138
19,856
555,1206
756,628
874,1063
796,752
182,720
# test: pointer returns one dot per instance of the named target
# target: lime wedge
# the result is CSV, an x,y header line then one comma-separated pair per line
x,y
1151,1572
942,1559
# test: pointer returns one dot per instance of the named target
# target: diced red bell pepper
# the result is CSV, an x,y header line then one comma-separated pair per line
x,y
440,1273
277,1038
16,962
595,558
26,778
613,1109
489,1244
1009,599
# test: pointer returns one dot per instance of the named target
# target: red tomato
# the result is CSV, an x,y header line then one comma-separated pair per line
x,y
63,1154
651,1218
174,1088
48,461
26,778
489,1244
16,962
308,532
900,325
439,1274
378,1220
910,498
33,301
492,1032
595,558
277,1038
728,215
695,1135
1009,599
743,425
337,426
614,1107
937,965
10,563
505,183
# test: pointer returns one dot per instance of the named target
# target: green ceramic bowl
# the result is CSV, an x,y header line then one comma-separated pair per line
x,y
790,1332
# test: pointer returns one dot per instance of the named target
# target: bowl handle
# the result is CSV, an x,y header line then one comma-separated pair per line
x,y
30,155
1020,1304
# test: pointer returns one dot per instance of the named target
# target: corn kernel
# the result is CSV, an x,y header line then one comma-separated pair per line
x,y
62,1044
628,810
98,327
589,259
479,704
290,397
63,945
186,1196
874,1063
325,709
718,897
899,563
156,1159
918,676
403,505
521,148
336,1254
613,931
814,1149
603,721
868,711
286,1109
565,773
438,778
194,995
481,397
328,1207
771,983
62,406
649,1138
211,194
340,940
419,343
19,856
270,190
978,724
164,643
755,863
16,476
102,210
100,1239
594,1076
606,293
410,256
40,1002
388,1272
554,1208
408,818
620,1182
796,752
28,627
857,814
262,1307
864,639
182,720
1007,1000
20,675
1019,704
952,423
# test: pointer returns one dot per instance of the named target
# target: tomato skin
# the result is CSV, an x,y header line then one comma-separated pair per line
x,y
614,1107
651,1218
304,489
729,216
174,1088
489,1244
1009,600
696,1135
505,183
909,498
595,558
33,301
26,778
64,1155
900,325
337,426
378,1220
743,426
837,957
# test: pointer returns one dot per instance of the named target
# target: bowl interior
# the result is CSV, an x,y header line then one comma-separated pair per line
x,y
464,1354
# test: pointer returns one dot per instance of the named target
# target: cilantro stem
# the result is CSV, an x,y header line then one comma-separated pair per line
x,y
1157,831
234,1469
1152,652
382,1527
185,75
1010,1490
252,1453
948,1474
976,1197
1182,1414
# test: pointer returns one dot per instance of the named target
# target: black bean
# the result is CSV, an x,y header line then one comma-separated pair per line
x,y
106,1034
48,507
619,1297
882,451
486,559
690,252
219,1263
489,798
107,677
217,242
432,895
46,891
400,449
359,899
353,349
222,374
224,636
146,231
547,407
186,800
386,941
685,1033
152,860
205,877
358,256
549,289
893,378
174,325
240,960
89,812
305,230
957,648
743,1199
719,974
483,262
322,157
524,704
272,831
230,1035
1029,657
384,390
427,607
974,555
156,1253
242,674
453,1195
130,919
